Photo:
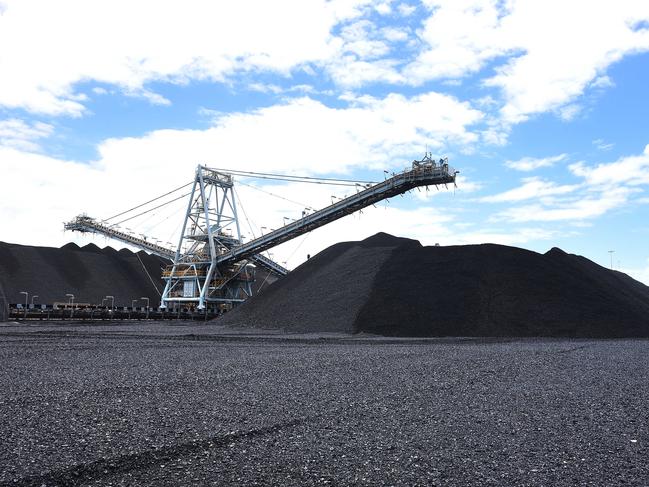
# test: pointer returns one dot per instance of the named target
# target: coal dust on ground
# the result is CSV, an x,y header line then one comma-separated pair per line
x,y
183,404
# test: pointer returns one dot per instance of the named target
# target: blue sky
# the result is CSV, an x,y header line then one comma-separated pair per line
x,y
542,106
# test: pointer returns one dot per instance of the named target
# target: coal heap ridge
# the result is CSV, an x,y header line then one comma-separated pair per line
x,y
88,272
396,287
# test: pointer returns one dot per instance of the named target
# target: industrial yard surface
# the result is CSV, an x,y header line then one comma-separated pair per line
x,y
179,404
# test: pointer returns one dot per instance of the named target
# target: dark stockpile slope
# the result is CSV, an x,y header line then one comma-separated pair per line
x,y
494,290
88,272
324,294
396,287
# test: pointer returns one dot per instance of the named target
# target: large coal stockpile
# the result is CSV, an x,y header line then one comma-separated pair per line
x,y
88,272
395,287
324,294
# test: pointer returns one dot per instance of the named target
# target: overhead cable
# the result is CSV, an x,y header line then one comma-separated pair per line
x,y
292,178
150,201
151,209
275,195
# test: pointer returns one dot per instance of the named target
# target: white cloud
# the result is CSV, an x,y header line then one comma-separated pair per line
x,y
631,170
532,163
532,188
150,96
306,135
550,59
48,47
23,135
602,82
569,112
393,34
581,208
537,69
298,136
516,236
460,37
559,63
360,38
602,188
384,8
602,145
265,88
405,9
348,71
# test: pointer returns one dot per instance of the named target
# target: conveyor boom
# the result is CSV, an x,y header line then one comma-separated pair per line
x,y
423,173
86,224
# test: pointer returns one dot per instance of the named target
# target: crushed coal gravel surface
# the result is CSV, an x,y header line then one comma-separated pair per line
x,y
200,404
396,287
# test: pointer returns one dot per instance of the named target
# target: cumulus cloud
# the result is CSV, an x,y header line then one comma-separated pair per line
x,y
544,67
558,64
460,37
23,135
49,47
301,135
532,163
631,170
602,145
602,188
532,188
581,208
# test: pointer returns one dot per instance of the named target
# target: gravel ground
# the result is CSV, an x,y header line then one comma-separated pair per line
x,y
152,404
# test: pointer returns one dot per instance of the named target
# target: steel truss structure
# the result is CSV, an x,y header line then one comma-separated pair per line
x,y
212,268
211,228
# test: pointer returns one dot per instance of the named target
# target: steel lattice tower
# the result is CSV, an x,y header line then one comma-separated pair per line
x,y
211,228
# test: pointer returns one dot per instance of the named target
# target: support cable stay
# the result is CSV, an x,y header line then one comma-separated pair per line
x,y
150,201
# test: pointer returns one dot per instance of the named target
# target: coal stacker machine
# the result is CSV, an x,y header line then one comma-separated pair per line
x,y
211,268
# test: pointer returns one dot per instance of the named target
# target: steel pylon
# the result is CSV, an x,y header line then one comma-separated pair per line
x,y
210,228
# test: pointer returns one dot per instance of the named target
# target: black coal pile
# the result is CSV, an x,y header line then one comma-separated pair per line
x,y
88,272
396,287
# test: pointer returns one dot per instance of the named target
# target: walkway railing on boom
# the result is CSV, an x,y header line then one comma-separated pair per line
x,y
84,223
423,173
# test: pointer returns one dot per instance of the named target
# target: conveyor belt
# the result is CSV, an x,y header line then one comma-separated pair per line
x,y
87,224
423,174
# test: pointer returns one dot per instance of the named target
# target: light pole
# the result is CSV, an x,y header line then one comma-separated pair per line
x,y
611,253
26,300
34,297
112,302
71,302
147,305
